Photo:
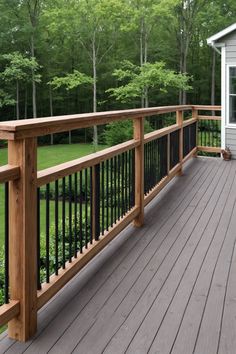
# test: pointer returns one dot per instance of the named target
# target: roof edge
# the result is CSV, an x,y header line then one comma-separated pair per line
x,y
211,40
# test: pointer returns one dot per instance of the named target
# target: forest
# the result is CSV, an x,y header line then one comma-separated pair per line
x,y
73,56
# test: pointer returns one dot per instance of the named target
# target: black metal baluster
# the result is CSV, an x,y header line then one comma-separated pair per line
x,y
97,201
47,231
103,199
91,206
70,218
86,207
107,194
130,169
75,216
81,211
119,190
126,184
133,178
111,188
200,128
6,249
165,155
56,227
148,167
38,240
153,164
63,223
115,189
145,169
122,185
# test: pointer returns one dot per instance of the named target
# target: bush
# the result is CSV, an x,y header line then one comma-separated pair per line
x,y
118,132
60,246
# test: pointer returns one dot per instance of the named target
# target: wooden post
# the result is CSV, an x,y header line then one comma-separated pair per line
x,y
22,238
195,115
179,121
139,170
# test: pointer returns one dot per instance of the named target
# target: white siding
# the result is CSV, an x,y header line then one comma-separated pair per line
x,y
230,44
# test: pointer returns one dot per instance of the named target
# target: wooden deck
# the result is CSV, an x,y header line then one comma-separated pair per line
x,y
169,287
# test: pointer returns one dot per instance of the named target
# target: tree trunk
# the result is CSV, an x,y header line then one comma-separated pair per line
x,y
95,130
33,81
184,98
213,79
146,98
26,104
51,110
17,100
141,57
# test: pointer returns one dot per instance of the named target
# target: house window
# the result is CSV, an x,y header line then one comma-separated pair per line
x,y
232,95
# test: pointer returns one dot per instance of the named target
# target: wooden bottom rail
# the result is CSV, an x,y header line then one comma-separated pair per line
x,y
209,149
191,154
64,275
9,311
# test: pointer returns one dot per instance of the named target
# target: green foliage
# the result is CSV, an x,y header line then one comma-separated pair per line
x,y
149,76
118,132
5,99
19,68
70,81
60,245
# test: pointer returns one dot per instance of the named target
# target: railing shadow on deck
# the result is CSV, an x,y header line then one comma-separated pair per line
x,y
91,199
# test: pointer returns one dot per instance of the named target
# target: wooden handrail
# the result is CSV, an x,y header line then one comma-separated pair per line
x,y
21,129
9,173
21,173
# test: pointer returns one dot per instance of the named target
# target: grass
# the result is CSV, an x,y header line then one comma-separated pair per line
x,y
47,156
53,155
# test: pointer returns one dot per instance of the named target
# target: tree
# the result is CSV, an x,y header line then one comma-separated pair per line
x,y
95,24
70,82
19,69
6,99
150,76
144,17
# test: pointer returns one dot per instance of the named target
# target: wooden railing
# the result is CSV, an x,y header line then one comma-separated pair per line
x,y
96,196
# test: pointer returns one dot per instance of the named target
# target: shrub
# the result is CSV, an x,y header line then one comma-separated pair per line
x,y
118,132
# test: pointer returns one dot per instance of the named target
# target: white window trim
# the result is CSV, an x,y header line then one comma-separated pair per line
x,y
223,97
228,124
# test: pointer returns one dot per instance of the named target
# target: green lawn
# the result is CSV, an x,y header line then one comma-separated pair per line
x,y
53,155
47,156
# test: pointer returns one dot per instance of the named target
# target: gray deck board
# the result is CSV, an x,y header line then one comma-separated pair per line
x,y
168,287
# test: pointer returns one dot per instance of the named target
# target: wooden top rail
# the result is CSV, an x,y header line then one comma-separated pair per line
x,y
209,117
22,129
207,108
65,169
9,173
161,132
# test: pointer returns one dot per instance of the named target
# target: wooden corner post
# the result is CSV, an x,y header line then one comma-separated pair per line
x,y
22,237
179,121
139,170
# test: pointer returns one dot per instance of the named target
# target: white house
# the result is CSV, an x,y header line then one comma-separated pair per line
x,y
224,43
